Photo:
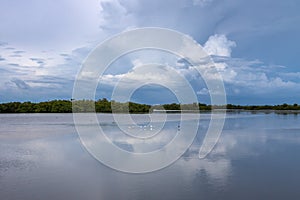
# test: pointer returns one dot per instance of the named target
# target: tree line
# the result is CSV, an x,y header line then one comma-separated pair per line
x,y
106,106
284,106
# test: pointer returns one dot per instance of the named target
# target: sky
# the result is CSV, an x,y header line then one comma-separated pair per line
x,y
254,44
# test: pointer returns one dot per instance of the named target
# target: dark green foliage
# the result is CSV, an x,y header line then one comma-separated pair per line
x,y
65,106
266,107
56,106
138,108
173,106
83,106
61,106
105,106
204,107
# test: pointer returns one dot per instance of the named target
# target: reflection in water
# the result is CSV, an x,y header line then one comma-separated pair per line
x,y
257,157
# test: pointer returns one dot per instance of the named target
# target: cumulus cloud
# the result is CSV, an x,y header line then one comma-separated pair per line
x,y
56,45
219,45
203,91
115,16
251,74
240,76
290,75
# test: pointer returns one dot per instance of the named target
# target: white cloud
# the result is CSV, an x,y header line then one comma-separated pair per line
x,y
240,76
203,91
219,45
46,31
115,17
163,75
291,75
254,78
202,2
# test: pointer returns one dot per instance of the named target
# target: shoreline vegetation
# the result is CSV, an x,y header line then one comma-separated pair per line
x,y
106,106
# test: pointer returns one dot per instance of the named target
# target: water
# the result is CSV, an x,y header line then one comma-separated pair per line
x,y
257,157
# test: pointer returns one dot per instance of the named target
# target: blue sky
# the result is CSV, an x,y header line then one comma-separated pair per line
x,y
255,45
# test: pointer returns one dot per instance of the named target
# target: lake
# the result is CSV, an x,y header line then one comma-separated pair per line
x,y
256,157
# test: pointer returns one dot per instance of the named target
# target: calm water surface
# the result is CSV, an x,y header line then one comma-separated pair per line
x,y
257,157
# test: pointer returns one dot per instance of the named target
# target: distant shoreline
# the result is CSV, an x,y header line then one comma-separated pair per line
x,y
106,106
265,111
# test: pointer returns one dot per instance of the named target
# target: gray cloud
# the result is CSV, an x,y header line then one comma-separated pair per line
x,y
10,48
245,73
51,80
19,52
64,55
4,71
16,56
14,64
39,61
3,43
20,83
